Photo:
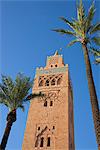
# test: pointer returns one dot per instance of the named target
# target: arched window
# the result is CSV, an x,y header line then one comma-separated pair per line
x,y
42,142
59,81
41,83
53,82
47,83
45,104
38,128
48,141
56,65
51,103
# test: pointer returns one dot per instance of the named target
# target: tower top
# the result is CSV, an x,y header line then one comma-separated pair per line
x,y
55,60
54,65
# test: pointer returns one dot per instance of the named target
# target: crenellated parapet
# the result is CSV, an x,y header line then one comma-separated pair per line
x,y
55,70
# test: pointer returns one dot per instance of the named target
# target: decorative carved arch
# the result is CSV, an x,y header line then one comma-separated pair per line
x,y
59,81
47,83
45,135
50,80
41,83
53,81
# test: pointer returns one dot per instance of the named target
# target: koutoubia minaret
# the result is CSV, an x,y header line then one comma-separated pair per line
x,y
50,121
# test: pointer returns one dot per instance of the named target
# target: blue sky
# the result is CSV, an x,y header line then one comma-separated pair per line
x,y
26,40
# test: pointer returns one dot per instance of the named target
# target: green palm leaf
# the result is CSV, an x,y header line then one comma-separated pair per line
x,y
33,95
80,12
97,60
4,91
73,42
70,24
94,51
95,28
96,40
90,16
62,31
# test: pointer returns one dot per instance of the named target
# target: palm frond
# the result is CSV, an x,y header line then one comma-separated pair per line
x,y
80,12
34,95
95,28
4,102
70,24
96,40
23,84
4,91
90,16
73,42
7,86
96,54
79,28
7,81
80,22
94,51
62,31
97,60
2,97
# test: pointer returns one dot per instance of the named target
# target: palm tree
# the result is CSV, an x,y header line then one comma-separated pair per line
x,y
13,94
96,54
85,33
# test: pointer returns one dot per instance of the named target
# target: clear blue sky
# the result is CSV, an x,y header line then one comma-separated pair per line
x,y
25,41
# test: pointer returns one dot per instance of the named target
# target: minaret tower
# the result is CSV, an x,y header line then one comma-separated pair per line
x,y
50,122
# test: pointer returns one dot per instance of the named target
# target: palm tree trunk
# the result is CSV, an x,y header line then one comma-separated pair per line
x,y
11,117
93,95
6,135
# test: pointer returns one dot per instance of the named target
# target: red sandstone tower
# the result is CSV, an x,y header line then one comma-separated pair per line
x,y
50,122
